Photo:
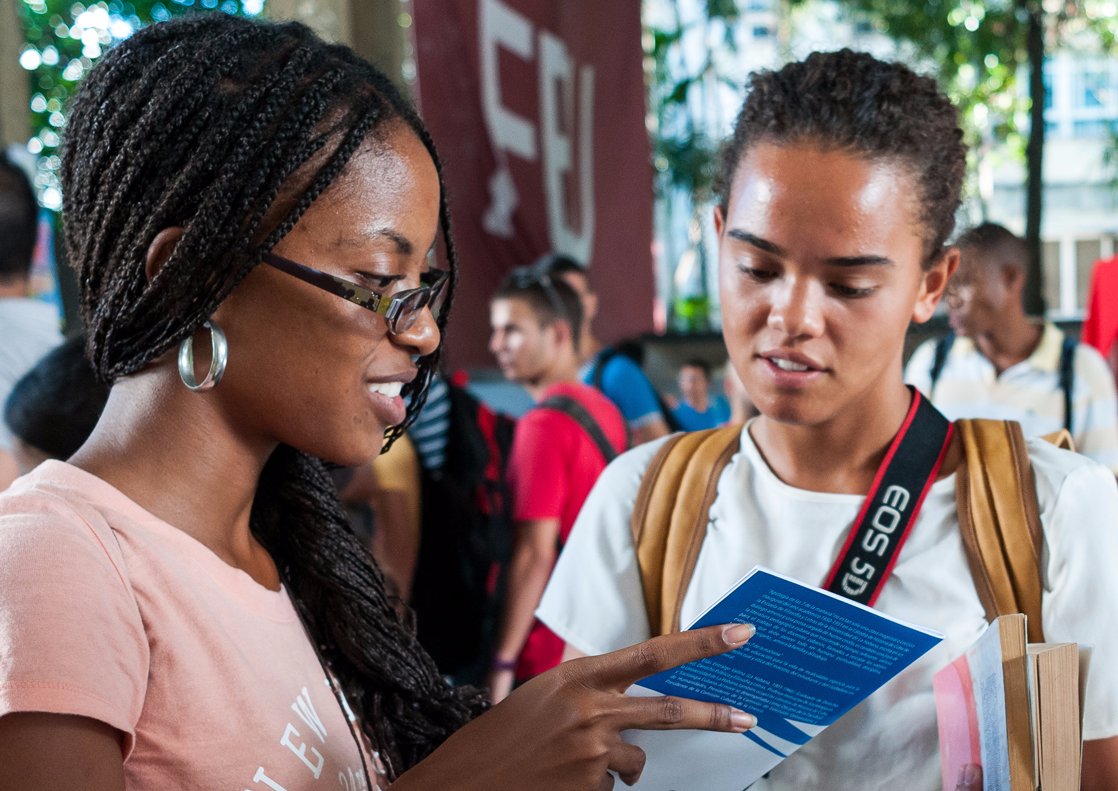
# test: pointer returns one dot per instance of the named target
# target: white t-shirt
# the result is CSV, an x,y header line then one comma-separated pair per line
x,y
594,599
1028,392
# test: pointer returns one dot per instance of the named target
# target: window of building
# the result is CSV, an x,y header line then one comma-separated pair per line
x,y
1050,273
1087,251
1099,127
1094,87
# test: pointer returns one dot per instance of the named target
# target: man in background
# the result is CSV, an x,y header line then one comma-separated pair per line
x,y
29,328
1000,363
559,449
604,367
697,409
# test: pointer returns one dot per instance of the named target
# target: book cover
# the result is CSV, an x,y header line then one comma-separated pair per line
x,y
957,721
982,709
815,656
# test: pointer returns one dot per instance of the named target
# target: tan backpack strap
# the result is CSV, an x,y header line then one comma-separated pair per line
x,y
999,520
1061,439
651,519
670,517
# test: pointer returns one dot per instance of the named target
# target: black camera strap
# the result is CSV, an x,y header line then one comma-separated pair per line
x,y
902,481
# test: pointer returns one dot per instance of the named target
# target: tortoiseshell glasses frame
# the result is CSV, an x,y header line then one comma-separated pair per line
x,y
400,310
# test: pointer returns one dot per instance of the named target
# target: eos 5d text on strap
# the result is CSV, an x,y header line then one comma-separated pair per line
x,y
906,474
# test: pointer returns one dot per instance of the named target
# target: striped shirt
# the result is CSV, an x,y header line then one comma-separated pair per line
x,y
1028,392
429,431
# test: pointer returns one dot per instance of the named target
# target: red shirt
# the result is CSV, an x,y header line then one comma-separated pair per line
x,y
552,467
1100,327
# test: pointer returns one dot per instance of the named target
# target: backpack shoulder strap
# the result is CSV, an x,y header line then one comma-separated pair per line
x,y
939,359
670,517
999,520
577,412
1067,379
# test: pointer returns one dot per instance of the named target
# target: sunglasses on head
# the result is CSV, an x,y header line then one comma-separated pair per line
x,y
534,276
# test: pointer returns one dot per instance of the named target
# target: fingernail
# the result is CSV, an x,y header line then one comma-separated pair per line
x,y
742,721
738,633
969,774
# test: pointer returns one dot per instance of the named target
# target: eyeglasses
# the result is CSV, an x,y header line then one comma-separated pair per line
x,y
400,310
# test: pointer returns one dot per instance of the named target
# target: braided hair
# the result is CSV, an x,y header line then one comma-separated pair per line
x,y
230,128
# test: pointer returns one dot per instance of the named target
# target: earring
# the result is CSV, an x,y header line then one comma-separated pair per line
x,y
219,356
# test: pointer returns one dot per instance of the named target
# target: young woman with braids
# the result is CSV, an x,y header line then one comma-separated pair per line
x,y
182,604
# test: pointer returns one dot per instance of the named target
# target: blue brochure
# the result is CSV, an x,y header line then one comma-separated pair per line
x,y
815,656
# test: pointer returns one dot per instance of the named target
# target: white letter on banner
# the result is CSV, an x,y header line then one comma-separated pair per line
x,y
556,72
500,26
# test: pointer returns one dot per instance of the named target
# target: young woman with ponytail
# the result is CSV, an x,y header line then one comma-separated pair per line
x,y
182,604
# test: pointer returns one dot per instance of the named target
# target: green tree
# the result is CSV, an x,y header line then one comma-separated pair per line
x,y
64,40
690,48
684,150
981,47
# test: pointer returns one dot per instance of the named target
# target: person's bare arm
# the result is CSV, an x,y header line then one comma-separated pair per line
x,y
533,558
47,752
1100,765
562,730
653,429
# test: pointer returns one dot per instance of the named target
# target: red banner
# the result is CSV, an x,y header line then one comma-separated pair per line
x,y
538,111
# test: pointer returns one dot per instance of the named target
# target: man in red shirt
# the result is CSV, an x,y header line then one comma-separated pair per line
x,y
559,449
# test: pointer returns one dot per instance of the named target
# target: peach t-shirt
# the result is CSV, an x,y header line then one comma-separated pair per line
x,y
110,613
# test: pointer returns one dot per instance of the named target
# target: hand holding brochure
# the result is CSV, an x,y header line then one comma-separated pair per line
x,y
815,656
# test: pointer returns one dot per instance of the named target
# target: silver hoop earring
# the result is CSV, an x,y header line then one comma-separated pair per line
x,y
219,356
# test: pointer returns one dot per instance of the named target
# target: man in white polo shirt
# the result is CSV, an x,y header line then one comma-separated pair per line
x,y
999,363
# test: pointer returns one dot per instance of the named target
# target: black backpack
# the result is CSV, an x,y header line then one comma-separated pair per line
x,y
466,541
1066,369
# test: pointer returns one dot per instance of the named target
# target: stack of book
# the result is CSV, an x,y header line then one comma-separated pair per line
x,y
1015,709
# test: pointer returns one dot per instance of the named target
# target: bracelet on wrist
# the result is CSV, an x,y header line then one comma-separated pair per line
x,y
503,664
